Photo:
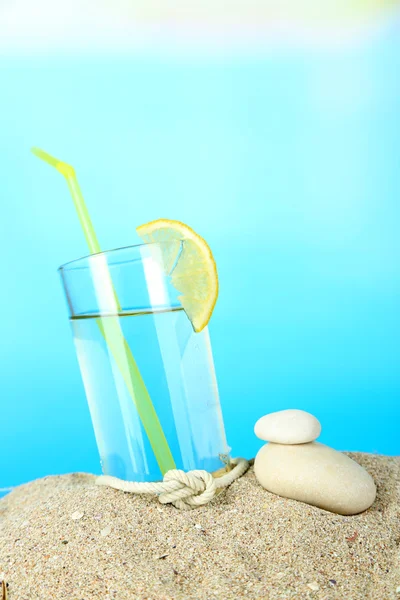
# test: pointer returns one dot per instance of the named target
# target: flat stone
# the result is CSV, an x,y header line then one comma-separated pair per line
x,y
315,474
288,427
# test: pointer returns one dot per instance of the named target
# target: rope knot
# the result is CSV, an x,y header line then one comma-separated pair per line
x,y
183,490
187,490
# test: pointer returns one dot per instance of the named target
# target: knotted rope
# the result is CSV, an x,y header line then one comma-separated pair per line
x,y
184,490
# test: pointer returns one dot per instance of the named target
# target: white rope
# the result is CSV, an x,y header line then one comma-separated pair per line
x,y
184,490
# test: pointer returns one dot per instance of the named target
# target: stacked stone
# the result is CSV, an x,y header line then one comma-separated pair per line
x,y
294,465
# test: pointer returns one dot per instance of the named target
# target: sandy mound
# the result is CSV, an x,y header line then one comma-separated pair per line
x,y
65,538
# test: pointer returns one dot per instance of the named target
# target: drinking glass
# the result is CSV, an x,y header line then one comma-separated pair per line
x,y
125,311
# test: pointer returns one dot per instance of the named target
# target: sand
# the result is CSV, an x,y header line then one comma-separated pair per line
x,y
65,538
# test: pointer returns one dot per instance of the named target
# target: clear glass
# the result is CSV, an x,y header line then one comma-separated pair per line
x,y
128,293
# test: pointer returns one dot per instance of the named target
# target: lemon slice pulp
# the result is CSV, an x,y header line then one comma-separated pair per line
x,y
195,272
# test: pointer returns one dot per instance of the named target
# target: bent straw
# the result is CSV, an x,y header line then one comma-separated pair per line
x,y
112,332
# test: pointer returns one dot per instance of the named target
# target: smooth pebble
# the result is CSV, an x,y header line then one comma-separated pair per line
x,y
106,531
77,515
315,474
313,586
288,427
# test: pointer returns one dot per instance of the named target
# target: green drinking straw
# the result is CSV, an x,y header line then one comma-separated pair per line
x,y
112,332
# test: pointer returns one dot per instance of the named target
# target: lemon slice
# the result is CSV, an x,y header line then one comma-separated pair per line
x,y
195,271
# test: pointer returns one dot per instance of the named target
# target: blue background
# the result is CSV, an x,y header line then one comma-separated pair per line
x,y
287,163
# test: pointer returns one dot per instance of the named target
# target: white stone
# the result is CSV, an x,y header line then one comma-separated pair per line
x,y
77,515
313,586
106,531
315,474
288,427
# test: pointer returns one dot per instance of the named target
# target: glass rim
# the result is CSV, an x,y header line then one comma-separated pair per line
x,y
67,265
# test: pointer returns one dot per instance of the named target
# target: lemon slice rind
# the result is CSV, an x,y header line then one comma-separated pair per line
x,y
193,271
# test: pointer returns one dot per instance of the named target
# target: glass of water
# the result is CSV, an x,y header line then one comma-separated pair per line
x,y
123,308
